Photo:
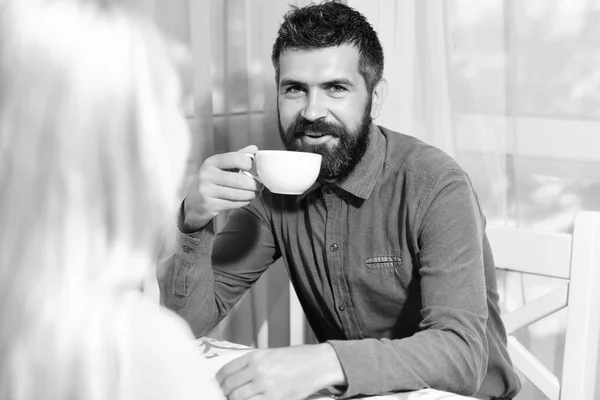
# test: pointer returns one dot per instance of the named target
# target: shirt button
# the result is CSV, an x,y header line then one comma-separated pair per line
x,y
328,190
333,247
346,196
342,307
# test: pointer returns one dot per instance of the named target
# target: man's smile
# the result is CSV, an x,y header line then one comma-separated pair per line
x,y
314,134
312,138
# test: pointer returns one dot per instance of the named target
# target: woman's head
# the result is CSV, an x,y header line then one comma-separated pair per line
x,y
91,136
92,151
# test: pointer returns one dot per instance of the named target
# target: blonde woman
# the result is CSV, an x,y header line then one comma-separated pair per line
x,y
92,150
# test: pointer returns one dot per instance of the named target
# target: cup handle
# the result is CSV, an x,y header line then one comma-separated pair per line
x,y
247,173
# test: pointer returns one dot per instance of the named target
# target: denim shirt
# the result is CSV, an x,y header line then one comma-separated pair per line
x,y
391,265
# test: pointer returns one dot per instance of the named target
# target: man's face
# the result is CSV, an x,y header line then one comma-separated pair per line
x,y
324,107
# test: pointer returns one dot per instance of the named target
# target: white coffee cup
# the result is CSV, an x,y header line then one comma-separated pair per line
x,y
286,172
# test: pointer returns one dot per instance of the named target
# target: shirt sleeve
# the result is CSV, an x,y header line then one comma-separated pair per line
x,y
209,273
450,350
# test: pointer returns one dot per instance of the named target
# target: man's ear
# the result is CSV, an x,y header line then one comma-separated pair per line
x,y
378,97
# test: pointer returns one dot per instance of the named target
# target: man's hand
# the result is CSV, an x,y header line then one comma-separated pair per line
x,y
289,373
219,187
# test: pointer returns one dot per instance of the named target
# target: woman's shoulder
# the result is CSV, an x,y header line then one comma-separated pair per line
x,y
164,361
147,319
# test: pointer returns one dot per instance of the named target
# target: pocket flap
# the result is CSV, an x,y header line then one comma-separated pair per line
x,y
379,262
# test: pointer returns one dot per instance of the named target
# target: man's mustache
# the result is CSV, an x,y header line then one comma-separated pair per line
x,y
302,125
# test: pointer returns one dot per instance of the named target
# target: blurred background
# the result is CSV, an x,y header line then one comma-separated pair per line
x,y
509,88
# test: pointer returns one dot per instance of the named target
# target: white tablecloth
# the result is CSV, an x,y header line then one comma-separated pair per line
x,y
219,353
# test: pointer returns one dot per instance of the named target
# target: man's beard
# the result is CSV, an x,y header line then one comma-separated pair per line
x,y
338,160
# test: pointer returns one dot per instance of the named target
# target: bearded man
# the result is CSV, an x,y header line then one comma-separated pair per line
x,y
387,250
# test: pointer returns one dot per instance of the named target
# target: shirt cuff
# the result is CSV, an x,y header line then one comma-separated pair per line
x,y
191,246
194,250
355,358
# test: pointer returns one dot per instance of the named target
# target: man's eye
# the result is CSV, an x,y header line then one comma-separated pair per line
x,y
337,89
294,90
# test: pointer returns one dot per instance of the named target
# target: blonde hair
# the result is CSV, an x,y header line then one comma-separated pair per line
x,y
92,150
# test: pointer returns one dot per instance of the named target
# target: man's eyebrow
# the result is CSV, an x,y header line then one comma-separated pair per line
x,y
340,81
291,82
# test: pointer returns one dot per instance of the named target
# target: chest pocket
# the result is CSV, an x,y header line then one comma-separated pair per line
x,y
379,294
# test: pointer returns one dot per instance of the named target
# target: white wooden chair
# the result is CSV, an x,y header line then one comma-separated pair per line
x,y
575,260
298,325
272,327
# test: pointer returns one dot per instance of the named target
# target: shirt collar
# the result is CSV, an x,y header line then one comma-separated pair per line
x,y
361,181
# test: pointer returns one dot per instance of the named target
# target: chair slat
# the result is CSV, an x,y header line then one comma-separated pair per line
x,y
537,309
582,343
540,253
534,370
261,313
297,325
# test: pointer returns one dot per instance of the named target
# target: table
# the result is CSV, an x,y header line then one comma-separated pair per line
x,y
220,352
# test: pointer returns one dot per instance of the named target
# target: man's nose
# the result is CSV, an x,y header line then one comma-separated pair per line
x,y
315,108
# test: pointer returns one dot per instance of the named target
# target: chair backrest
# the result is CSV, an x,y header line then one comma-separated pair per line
x,y
575,261
297,330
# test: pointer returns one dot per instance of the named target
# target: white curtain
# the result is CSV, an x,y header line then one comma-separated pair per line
x,y
510,88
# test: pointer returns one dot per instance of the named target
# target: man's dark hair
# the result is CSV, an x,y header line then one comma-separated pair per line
x,y
331,24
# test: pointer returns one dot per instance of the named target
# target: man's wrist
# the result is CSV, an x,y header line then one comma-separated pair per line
x,y
331,371
189,223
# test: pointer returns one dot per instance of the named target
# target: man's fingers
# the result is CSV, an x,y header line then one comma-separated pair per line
x,y
246,392
229,161
233,195
236,180
231,367
248,149
236,381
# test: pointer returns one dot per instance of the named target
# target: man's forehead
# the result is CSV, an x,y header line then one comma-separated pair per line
x,y
329,62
